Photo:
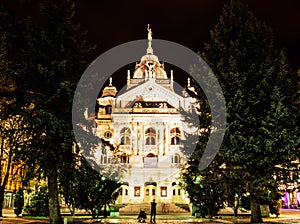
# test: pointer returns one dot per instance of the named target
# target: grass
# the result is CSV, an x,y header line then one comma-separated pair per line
x,y
35,217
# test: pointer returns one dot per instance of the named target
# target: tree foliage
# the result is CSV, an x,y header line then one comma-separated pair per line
x,y
75,181
38,204
14,134
84,188
261,97
104,192
53,59
19,199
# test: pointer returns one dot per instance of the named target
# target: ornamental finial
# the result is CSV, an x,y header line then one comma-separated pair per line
x,y
110,81
149,49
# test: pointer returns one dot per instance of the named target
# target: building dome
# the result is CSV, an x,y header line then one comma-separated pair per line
x,y
144,68
149,57
109,90
149,66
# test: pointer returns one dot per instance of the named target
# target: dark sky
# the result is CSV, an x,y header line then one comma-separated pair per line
x,y
187,22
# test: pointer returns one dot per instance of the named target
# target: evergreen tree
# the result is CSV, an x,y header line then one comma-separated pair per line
x,y
206,188
261,104
75,183
3,79
54,59
13,133
104,192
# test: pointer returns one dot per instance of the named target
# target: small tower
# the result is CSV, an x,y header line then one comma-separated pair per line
x,y
106,103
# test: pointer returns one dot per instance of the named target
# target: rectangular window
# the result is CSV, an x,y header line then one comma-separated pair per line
x,y
126,192
163,191
137,191
174,192
121,191
178,191
147,192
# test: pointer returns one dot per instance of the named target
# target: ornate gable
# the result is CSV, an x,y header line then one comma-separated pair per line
x,y
150,91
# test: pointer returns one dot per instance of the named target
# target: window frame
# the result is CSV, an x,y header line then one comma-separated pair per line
x,y
125,136
163,189
150,136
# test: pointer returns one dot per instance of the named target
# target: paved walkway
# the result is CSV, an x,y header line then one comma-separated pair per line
x,y
287,216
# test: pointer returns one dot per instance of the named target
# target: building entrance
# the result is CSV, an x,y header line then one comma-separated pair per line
x,y
150,191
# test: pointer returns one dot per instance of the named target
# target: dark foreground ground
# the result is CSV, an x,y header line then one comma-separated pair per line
x,y
286,216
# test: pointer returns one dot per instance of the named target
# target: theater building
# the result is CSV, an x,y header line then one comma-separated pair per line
x,y
145,124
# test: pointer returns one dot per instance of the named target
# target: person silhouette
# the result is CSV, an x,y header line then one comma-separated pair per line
x,y
142,216
153,211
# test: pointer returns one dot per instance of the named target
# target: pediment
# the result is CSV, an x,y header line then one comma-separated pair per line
x,y
150,92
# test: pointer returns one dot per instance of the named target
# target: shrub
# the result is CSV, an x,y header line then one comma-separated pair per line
x,y
38,205
18,202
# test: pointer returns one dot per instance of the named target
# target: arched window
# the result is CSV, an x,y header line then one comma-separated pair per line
x,y
105,158
150,155
124,158
108,109
175,136
150,136
125,135
176,158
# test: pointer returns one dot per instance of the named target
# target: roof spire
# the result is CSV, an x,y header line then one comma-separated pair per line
x,y
128,77
110,81
149,49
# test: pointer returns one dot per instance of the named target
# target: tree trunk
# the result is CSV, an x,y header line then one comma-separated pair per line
x,y
6,173
105,214
236,206
255,211
1,199
54,210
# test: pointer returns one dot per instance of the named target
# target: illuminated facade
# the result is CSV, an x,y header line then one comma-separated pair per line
x,y
12,172
15,173
145,125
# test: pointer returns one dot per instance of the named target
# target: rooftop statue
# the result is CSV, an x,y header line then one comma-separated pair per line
x,y
149,33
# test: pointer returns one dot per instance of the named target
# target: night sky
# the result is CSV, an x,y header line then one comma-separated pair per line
x,y
188,22
110,23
